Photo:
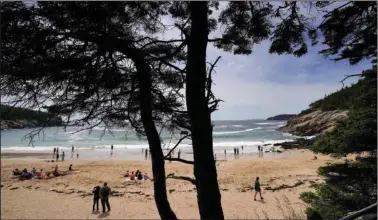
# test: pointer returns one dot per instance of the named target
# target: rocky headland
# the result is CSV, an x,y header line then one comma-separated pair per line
x,y
313,122
282,117
17,118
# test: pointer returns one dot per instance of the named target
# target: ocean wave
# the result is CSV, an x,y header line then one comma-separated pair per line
x,y
135,146
230,126
236,132
271,123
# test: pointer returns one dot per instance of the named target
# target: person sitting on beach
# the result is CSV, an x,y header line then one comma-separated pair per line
x,y
127,174
70,167
137,173
34,171
140,176
145,177
132,176
17,172
258,188
56,172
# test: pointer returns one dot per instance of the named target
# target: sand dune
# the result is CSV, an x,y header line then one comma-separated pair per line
x,y
69,197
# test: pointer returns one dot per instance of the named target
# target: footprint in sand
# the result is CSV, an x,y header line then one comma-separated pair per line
x,y
13,188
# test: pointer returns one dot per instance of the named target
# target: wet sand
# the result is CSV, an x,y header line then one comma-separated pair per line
x,y
69,197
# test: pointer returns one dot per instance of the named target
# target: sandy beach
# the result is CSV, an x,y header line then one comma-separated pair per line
x,y
69,197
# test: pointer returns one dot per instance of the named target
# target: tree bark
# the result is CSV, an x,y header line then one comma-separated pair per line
x,y
208,194
157,156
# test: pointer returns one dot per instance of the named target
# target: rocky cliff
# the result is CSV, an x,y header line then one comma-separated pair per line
x,y
313,122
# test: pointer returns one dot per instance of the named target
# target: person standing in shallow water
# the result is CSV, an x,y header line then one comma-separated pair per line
x,y
54,152
258,188
63,155
104,194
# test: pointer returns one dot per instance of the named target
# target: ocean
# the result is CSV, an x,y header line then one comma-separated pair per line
x,y
226,136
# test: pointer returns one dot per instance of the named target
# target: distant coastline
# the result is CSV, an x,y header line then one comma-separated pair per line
x,y
19,118
282,117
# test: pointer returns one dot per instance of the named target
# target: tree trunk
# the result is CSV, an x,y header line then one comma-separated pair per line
x,y
157,156
208,195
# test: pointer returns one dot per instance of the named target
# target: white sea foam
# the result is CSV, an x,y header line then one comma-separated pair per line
x,y
236,132
271,123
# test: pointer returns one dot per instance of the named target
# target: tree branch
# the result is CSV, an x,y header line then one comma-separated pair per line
x,y
348,76
180,160
177,144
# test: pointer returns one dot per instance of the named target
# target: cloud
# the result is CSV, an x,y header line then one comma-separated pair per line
x,y
262,85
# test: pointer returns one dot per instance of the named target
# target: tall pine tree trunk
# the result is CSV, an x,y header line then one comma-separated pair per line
x,y
157,157
209,198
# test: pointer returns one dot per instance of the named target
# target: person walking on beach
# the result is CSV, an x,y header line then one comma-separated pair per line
x,y
179,154
72,149
104,194
96,196
225,154
111,147
145,154
63,155
242,147
54,152
258,188
57,156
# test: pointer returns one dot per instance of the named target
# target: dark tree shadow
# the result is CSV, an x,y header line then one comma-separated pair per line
x,y
172,176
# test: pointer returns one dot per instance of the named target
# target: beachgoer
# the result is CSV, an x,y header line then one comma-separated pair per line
x,y
42,174
137,173
72,149
146,154
104,194
17,172
140,176
235,151
63,155
242,147
225,154
57,156
111,147
56,172
96,196
179,154
34,171
127,174
77,155
145,177
70,167
54,152
132,176
258,188
258,148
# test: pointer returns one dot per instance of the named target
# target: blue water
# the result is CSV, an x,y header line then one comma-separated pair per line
x,y
226,134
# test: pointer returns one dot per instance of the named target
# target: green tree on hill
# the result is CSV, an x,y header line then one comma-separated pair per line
x,y
350,33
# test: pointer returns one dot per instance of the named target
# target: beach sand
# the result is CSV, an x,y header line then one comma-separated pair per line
x,y
69,197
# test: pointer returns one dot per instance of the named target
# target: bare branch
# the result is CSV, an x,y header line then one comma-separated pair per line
x,y
180,160
348,76
177,144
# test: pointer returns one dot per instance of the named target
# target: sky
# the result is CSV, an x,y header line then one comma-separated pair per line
x,y
262,85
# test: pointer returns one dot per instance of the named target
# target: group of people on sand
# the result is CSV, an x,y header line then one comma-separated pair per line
x,y
27,175
138,175
63,155
101,193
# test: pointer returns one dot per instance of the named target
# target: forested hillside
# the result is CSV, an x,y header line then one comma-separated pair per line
x,y
21,118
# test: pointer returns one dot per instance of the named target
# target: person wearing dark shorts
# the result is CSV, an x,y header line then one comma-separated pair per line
x,y
104,194
96,196
258,188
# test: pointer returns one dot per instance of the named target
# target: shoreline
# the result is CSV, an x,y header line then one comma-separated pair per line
x,y
134,155
20,199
